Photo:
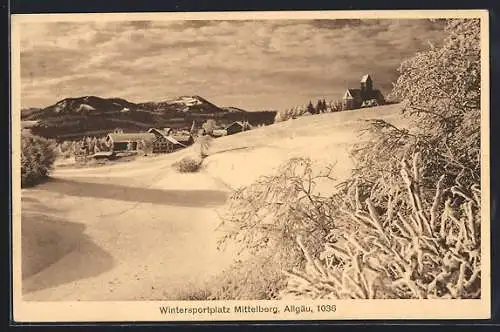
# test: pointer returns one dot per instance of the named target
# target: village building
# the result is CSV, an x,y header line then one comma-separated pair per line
x,y
166,142
233,128
237,127
366,95
122,142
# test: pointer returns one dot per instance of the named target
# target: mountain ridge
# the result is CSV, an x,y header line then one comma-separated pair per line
x,y
95,104
75,116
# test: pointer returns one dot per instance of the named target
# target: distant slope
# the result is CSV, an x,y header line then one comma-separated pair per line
x,y
87,105
28,124
238,159
76,117
26,112
194,104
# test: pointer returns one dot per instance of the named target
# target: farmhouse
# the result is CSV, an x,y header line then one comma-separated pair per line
x,y
165,142
366,95
154,140
129,141
237,127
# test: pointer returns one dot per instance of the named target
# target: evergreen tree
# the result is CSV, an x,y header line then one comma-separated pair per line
x,y
324,107
319,107
310,108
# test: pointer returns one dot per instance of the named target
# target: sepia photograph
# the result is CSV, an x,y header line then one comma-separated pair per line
x,y
244,166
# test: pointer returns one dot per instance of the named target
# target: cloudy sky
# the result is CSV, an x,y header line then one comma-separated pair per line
x,y
248,64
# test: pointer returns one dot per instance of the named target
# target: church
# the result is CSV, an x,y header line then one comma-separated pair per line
x,y
365,96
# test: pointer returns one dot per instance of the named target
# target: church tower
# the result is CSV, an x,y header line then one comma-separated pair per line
x,y
366,87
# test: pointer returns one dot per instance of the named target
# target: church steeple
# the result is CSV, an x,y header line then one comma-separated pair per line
x,y
366,87
366,83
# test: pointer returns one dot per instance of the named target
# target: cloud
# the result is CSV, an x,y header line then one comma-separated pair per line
x,y
248,64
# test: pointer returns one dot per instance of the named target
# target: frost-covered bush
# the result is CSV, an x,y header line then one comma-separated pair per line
x,y
414,197
406,224
267,214
407,247
188,164
37,158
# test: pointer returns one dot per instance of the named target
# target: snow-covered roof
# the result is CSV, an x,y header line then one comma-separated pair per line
x,y
238,123
173,141
166,134
124,137
365,78
353,93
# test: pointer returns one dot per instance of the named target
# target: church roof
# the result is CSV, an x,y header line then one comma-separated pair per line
x,y
354,93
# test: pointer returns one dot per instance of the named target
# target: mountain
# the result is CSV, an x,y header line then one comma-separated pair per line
x,y
92,105
91,115
88,105
182,104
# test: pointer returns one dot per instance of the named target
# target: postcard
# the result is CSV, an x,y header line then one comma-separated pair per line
x,y
250,166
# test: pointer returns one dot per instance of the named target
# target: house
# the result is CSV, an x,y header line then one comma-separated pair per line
x,y
366,94
164,141
237,127
121,142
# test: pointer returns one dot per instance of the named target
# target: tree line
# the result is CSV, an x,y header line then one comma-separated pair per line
x,y
85,146
321,106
